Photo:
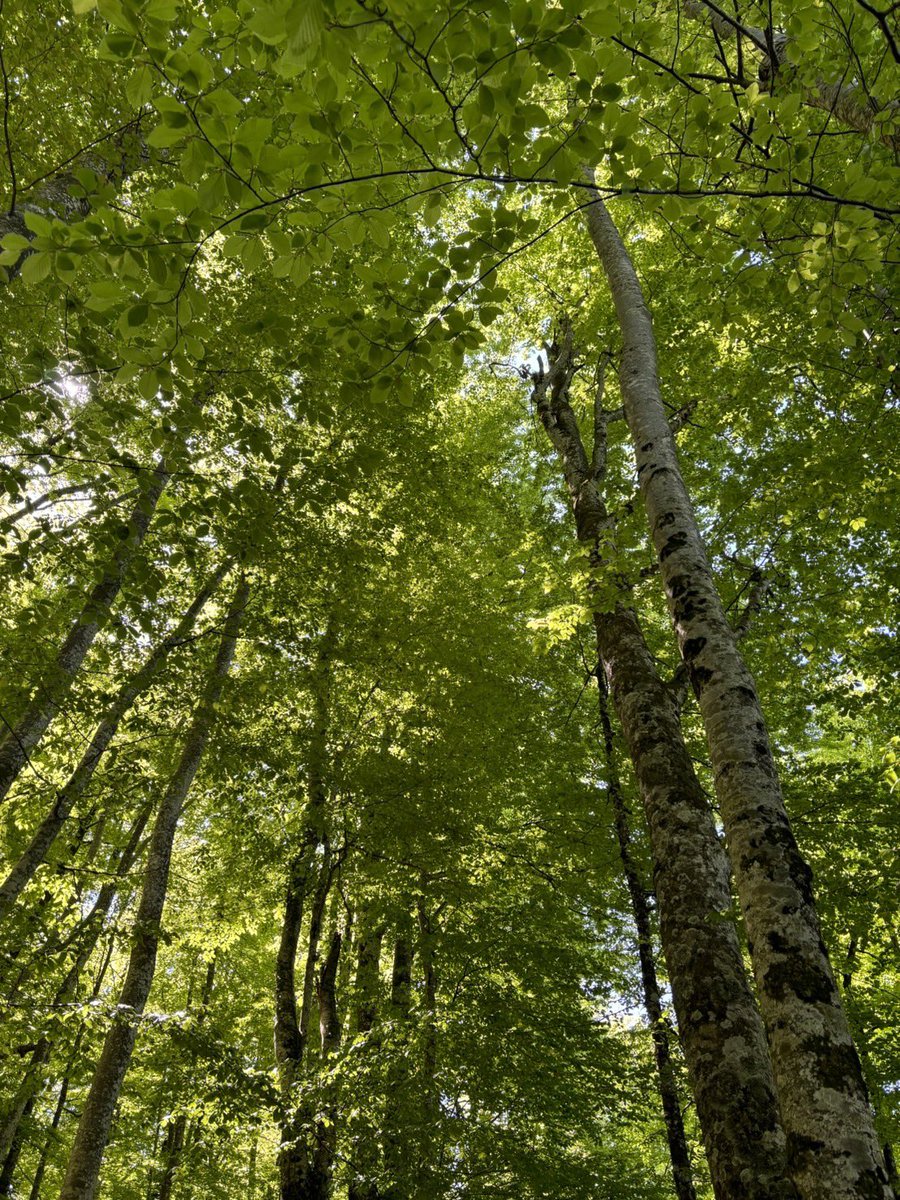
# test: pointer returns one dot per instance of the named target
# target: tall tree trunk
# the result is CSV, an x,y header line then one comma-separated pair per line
x,y
832,1147
718,1022
79,780
319,1183
427,954
311,867
398,1166
679,1152
366,987
41,1167
20,739
96,1118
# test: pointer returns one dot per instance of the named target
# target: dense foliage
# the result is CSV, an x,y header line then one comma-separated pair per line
x,y
293,594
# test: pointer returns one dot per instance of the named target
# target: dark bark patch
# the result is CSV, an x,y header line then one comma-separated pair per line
x,y
677,541
839,1066
804,979
692,647
870,1184
666,519
700,677
646,448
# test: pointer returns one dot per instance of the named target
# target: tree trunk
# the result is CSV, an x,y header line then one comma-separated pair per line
x,y
397,1162
79,780
719,1025
38,1179
175,1140
311,863
832,1148
96,1118
90,934
319,1184
679,1152
21,739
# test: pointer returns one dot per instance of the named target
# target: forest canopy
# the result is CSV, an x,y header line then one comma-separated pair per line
x,y
449,543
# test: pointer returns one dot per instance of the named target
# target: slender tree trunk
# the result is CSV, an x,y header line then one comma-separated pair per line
x,y
90,935
398,1166
96,1118
679,1152
427,954
38,1179
175,1139
319,1184
74,788
311,863
719,1025
20,739
833,1151
367,962
366,987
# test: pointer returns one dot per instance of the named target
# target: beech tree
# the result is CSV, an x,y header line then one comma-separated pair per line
x,y
449,574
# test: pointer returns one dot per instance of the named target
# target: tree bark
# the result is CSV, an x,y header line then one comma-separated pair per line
x,y
74,788
310,867
20,739
96,1118
718,1022
825,1111
679,1152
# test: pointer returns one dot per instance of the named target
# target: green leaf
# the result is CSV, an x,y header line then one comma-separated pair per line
x,y
36,267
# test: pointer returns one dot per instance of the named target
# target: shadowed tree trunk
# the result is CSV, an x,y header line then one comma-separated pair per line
x,y
96,1118
174,1142
832,1147
679,1152
311,868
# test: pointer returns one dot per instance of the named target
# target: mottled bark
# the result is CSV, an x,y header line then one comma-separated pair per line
x,y
426,952
75,786
718,1022
20,739
41,1167
96,1118
398,1163
330,1039
660,1031
366,985
832,1147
